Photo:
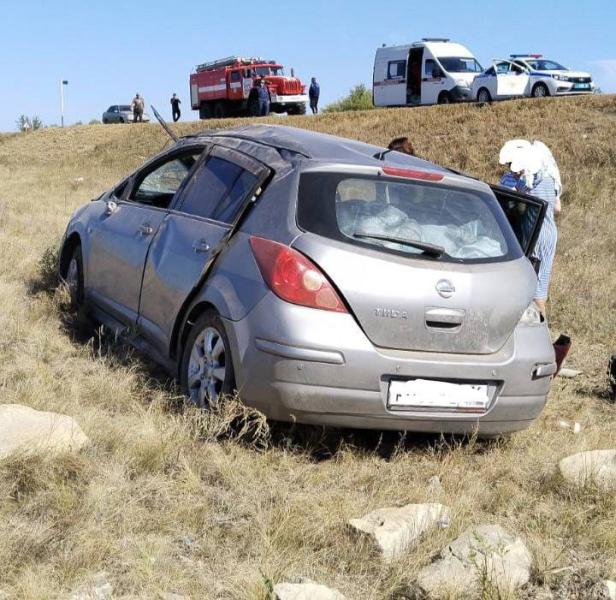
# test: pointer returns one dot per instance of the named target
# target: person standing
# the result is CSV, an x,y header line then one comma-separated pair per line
x,y
528,174
138,104
264,98
313,95
175,108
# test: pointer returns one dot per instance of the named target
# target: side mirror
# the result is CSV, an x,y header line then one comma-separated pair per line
x,y
110,207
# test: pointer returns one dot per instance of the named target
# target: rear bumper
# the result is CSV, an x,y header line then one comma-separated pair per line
x,y
311,366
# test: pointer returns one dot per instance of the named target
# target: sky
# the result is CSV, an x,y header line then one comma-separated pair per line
x,y
108,51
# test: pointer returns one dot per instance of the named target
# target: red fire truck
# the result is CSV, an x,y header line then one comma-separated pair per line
x,y
226,87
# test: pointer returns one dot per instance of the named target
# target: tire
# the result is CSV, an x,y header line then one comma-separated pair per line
x,y
205,110
297,109
483,95
105,121
444,98
220,110
540,90
74,278
206,370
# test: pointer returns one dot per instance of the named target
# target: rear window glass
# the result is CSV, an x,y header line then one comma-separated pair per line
x,y
392,215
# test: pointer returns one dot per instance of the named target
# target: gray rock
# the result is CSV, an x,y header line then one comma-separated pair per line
x,y
485,558
26,430
395,530
594,466
305,591
97,589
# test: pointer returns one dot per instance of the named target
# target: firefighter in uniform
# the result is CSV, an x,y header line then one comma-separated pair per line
x,y
264,98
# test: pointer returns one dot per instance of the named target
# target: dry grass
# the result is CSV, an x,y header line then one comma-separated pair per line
x,y
168,499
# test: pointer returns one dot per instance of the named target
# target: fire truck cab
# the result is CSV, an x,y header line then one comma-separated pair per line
x,y
227,87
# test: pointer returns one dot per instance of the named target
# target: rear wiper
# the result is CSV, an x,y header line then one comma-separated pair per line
x,y
429,249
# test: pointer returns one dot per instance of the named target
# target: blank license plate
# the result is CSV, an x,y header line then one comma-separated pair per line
x,y
581,86
423,393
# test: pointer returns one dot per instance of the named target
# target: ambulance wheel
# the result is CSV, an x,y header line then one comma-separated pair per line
x,y
220,110
444,98
483,95
205,110
540,91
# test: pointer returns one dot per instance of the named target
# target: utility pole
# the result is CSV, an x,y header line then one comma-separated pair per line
x,y
63,82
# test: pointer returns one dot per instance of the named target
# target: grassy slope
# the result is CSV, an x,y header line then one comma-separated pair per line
x,y
162,503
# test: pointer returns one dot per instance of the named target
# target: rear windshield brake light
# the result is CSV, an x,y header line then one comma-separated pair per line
x,y
412,174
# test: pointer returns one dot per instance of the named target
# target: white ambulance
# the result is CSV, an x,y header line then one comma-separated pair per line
x,y
433,71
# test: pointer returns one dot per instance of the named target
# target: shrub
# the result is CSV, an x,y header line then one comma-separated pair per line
x,y
359,98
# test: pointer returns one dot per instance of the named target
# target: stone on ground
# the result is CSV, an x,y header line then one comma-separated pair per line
x,y
611,588
395,530
484,559
305,591
24,429
595,466
97,589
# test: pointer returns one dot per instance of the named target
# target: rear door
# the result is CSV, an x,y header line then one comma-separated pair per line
x,y
466,301
389,84
121,239
202,217
525,215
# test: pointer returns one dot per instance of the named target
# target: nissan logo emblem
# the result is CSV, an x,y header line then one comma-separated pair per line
x,y
445,288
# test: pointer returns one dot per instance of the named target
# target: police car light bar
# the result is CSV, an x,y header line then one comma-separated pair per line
x,y
527,55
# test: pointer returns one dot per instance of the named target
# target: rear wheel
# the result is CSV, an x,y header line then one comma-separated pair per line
x,y
220,110
205,110
105,121
74,277
206,371
540,91
444,98
483,95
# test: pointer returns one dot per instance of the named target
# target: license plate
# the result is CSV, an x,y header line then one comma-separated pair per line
x,y
581,86
424,393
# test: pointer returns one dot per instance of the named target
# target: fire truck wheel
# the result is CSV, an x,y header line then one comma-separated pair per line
x,y
220,110
205,110
298,109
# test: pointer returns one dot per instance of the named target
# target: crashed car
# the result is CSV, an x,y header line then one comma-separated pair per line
x,y
326,280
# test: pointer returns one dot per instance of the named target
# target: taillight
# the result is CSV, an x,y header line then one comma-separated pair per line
x,y
412,174
293,277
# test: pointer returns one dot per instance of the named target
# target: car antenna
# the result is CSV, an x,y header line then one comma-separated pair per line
x,y
163,124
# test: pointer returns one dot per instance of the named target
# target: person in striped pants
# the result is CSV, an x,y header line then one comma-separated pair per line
x,y
527,173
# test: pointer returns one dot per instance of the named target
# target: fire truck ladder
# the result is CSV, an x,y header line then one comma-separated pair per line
x,y
228,62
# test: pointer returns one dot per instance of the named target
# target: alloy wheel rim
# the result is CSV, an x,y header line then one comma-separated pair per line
x,y
540,93
207,368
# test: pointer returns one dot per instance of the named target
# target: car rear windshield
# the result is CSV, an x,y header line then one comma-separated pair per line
x,y
420,219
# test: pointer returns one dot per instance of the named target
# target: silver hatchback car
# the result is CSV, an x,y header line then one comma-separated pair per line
x,y
328,281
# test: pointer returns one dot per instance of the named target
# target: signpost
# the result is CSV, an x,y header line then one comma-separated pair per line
x,y
63,82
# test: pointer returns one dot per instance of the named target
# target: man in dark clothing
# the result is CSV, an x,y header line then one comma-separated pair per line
x,y
264,98
175,108
313,95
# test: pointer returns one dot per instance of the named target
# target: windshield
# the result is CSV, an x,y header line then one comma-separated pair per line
x,y
546,65
456,64
410,218
265,71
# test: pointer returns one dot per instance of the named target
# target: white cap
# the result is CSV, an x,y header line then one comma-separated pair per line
x,y
509,149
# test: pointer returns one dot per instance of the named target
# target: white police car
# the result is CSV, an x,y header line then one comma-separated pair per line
x,y
529,75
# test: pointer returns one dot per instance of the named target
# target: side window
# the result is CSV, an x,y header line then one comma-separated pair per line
x,y
502,68
227,209
209,187
396,69
119,191
159,186
235,76
491,71
429,67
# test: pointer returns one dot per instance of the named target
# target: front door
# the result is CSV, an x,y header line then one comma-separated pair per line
x,y
121,240
511,79
432,82
190,235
